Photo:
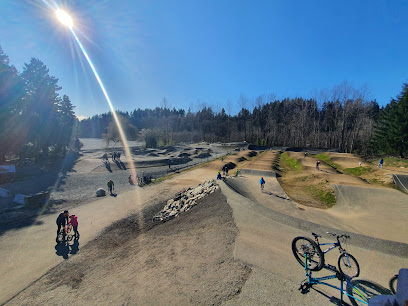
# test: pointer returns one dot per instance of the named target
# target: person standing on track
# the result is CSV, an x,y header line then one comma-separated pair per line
x,y
111,186
317,165
73,220
62,220
380,164
262,182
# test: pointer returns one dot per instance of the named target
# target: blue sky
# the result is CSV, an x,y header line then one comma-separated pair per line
x,y
208,52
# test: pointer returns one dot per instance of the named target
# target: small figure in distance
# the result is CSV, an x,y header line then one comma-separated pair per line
x,y
226,170
359,164
219,177
236,173
113,156
105,157
380,164
305,154
317,165
262,182
131,181
62,220
74,222
111,186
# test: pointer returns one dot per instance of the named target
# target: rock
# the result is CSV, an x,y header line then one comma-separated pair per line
x,y
100,192
37,200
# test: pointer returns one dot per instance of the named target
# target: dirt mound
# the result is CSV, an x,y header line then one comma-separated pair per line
x,y
230,165
252,154
203,155
241,159
134,263
184,154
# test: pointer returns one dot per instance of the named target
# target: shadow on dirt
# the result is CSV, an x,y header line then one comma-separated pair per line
x,y
46,175
108,166
121,165
64,249
275,195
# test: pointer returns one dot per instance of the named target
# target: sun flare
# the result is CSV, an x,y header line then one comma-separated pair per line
x,y
64,18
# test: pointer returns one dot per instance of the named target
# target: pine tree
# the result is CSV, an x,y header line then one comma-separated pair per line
x,y
391,131
40,110
11,97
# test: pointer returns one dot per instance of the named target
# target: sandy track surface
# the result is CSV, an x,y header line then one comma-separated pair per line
x,y
375,212
265,244
187,260
262,162
36,244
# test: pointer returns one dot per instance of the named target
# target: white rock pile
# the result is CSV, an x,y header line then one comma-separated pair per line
x,y
184,200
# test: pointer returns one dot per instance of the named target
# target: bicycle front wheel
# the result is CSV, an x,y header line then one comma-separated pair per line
x,y
393,284
303,246
348,265
360,291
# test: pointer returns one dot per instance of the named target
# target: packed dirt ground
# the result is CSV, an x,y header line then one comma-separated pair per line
x,y
233,248
188,260
314,187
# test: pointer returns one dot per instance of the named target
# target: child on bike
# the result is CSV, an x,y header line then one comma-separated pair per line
x,y
73,220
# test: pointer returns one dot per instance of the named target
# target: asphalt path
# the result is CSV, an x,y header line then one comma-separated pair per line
x,y
401,181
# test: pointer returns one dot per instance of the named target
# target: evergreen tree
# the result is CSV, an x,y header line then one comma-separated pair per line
x,y
391,131
11,97
41,108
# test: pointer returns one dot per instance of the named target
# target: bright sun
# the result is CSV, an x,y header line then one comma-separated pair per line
x,y
64,18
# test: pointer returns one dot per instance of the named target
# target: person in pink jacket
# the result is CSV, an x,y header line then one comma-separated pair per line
x,y
73,220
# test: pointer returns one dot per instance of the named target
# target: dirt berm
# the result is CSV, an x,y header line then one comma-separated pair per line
x,y
188,260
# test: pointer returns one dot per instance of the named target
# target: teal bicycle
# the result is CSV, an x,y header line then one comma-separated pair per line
x,y
359,291
346,262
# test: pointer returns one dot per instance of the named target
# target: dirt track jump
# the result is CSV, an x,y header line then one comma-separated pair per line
x,y
234,249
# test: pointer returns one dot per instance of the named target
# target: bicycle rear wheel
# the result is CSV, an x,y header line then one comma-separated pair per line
x,y
348,265
302,246
361,289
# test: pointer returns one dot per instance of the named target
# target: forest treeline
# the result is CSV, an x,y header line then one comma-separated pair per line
x,y
341,118
344,122
35,120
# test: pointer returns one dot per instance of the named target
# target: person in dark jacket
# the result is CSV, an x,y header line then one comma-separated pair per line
x,y
62,220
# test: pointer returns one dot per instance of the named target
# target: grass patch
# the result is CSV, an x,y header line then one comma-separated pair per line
x,y
303,178
324,194
358,171
291,163
326,158
395,162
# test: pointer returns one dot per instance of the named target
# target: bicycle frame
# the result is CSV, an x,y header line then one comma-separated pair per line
x,y
320,280
333,246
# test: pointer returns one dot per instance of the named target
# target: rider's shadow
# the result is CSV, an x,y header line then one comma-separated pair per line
x,y
62,249
75,247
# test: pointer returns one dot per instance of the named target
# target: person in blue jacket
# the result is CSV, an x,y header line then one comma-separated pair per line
x,y
262,182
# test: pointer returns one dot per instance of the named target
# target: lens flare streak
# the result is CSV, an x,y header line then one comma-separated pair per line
x,y
117,121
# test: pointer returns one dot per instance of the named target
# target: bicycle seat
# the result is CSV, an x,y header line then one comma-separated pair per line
x,y
316,235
